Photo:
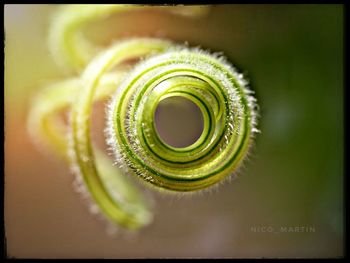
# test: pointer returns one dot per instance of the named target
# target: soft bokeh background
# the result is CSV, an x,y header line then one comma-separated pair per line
x,y
293,55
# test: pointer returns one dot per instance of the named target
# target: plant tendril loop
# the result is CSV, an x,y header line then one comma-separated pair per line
x,y
168,70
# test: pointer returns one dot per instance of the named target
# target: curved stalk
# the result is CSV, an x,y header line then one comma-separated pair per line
x,y
229,112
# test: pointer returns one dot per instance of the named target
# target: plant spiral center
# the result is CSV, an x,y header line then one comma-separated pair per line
x,y
178,121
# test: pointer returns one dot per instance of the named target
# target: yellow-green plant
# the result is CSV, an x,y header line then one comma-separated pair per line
x,y
167,70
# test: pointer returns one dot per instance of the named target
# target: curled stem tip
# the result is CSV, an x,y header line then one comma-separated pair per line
x,y
167,70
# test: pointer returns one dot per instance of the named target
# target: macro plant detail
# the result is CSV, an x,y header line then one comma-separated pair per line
x,y
166,70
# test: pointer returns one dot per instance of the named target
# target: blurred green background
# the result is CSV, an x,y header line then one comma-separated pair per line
x,y
293,56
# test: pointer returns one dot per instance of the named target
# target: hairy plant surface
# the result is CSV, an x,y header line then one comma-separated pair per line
x,y
166,70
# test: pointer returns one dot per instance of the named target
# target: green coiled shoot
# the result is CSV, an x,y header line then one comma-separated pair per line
x,y
167,69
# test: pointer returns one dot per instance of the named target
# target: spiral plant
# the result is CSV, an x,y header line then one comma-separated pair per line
x,y
166,70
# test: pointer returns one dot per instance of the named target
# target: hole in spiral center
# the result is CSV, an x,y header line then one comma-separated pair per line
x,y
178,121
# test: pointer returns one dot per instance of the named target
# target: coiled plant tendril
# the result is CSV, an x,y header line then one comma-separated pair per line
x,y
168,70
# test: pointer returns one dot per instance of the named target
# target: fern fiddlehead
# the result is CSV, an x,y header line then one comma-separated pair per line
x,y
227,105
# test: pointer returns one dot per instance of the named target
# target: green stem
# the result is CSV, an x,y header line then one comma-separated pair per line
x,y
227,105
